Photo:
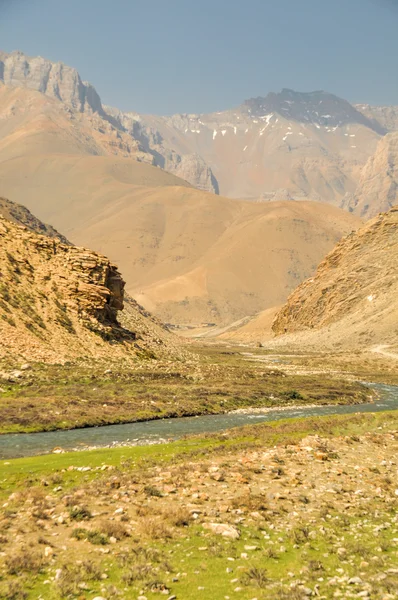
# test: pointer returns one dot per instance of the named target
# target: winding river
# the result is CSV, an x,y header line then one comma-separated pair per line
x,y
148,432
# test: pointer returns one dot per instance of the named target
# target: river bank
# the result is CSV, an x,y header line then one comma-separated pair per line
x,y
160,430
279,507
90,394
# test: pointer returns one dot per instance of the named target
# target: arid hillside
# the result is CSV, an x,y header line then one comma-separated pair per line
x,y
59,302
188,256
352,301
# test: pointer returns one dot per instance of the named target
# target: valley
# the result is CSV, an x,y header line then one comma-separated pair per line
x,y
198,345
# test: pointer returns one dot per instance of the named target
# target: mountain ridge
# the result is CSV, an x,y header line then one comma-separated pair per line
x,y
306,145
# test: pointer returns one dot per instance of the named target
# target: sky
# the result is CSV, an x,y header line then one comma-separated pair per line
x,y
185,56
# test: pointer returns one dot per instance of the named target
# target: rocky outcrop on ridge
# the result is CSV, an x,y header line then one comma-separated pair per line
x,y
58,302
22,216
192,168
53,79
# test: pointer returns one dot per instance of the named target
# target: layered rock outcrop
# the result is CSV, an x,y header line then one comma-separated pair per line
x,y
58,301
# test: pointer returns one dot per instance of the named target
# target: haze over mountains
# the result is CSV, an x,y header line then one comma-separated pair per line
x,y
112,181
287,145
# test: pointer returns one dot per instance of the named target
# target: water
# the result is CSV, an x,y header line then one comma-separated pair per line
x,y
30,444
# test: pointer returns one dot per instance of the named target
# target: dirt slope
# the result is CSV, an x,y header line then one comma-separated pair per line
x,y
352,301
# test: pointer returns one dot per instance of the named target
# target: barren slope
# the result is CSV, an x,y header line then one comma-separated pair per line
x,y
353,298
187,255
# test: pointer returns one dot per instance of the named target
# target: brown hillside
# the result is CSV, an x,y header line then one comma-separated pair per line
x,y
353,298
58,301
187,255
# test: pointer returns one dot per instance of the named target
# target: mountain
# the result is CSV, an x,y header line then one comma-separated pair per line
x,y
377,189
352,299
59,302
112,136
306,145
285,145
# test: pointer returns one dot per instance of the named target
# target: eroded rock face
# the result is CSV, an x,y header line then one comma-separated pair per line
x,y
193,169
377,189
53,79
191,166
99,285
57,295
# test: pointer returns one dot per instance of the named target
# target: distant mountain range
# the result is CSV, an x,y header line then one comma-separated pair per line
x,y
288,145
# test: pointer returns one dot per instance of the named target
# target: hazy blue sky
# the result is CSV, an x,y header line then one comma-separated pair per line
x,y
166,56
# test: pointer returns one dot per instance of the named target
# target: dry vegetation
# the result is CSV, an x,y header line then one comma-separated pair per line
x,y
271,512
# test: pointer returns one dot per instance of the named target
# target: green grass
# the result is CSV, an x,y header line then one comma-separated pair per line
x,y
17,472
192,563
51,397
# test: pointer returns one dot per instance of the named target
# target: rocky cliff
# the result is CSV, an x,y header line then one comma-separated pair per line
x,y
53,79
377,189
187,165
353,298
58,301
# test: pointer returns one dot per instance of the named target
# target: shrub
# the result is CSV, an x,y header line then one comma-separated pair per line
x,y
80,513
24,561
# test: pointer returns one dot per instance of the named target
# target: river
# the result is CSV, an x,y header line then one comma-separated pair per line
x,y
15,445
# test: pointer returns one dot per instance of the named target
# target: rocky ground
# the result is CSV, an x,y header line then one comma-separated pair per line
x,y
270,512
